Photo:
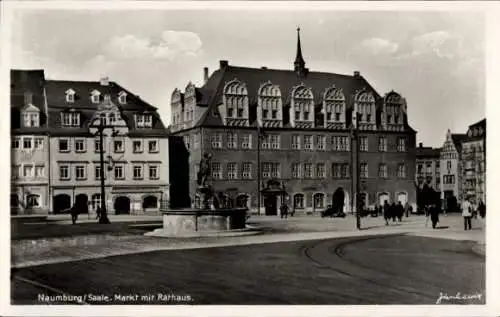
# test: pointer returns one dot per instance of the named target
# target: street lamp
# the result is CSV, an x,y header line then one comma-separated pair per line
x,y
260,136
355,163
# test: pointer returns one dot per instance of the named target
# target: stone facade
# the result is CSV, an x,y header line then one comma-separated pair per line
x,y
474,163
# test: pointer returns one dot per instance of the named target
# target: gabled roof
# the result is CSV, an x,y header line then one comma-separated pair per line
x,y
457,139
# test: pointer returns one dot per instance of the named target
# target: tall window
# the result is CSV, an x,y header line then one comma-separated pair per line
x,y
119,172
97,172
382,144
28,171
270,101
401,144
320,142
334,104
308,145
298,201
296,171
275,141
31,119
340,170
80,172
246,170
303,104
154,172
308,170
266,142
39,171
231,140
38,143
70,119
340,143
216,170
187,141
382,171
27,143
246,141
80,145
366,107
363,144
296,142
97,145
231,171
275,170
320,170
235,99
15,143
63,145
137,146
363,170
144,120
401,170
64,172
266,170
137,169
216,141
153,146
119,146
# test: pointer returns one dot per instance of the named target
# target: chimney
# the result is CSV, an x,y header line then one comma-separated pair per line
x,y
356,73
420,145
104,81
205,74
28,98
223,64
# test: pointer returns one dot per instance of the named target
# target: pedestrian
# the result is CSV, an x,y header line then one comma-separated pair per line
x,y
284,210
400,211
407,209
386,212
481,208
393,212
98,212
74,213
467,214
434,214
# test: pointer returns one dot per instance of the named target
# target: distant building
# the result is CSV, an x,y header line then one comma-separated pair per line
x,y
30,143
451,169
474,162
305,119
428,167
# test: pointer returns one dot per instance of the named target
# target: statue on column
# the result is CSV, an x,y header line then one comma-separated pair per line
x,y
205,170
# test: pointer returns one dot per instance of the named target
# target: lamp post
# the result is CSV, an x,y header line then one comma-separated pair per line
x,y
355,164
260,136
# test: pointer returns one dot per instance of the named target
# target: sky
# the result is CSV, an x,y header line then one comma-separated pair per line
x,y
434,59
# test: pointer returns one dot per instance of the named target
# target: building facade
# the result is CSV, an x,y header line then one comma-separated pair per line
x,y
30,143
474,163
429,166
286,135
451,170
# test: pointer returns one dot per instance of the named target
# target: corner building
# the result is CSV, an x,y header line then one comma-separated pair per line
x,y
304,119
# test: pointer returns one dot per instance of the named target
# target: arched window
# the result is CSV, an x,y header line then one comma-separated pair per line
x,y
334,105
150,202
33,201
175,104
270,104
189,102
366,107
302,109
298,201
319,201
236,100
393,109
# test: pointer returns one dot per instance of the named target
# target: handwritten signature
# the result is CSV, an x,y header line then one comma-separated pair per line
x,y
458,296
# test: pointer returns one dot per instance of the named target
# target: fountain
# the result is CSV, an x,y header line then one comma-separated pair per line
x,y
210,217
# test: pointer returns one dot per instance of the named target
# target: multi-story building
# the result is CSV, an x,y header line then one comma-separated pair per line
x,y
136,150
474,162
30,146
451,170
428,166
305,121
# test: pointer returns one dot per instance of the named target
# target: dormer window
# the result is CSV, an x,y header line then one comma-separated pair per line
x,y
70,96
144,120
70,119
30,116
302,106
334,106
95,96
122,97
235,103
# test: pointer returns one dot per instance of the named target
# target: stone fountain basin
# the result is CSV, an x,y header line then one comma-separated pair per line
x,y
182,222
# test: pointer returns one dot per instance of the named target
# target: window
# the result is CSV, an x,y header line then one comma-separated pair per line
x,y
320,142
275,141
70,119
80,145
420,168
112,118
308,170
308,142
337,116
63,145
265,113
246,141
231,171
39,143
28,171
122,97
296,172
137,172
143,120
274,114
97,145
216,170
266,170
15,143
80,172
382,144
40,171
448,179
448,165
31,119
401,145
119,172
297,115
298,201
70,97
137,146
320,170
64,172
363,170
231,140
97,172
95,96
340,170
329,116
428,167
153,146
296,142
340,143
363,144
15,172
216,141
246,170
32,200
119,146
266,142
27,143
275,170
382,171
153,172
401,171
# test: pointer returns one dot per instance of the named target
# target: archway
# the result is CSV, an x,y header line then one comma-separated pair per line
x,y
122,205
81,203
402,197
339,199
318,201
62,203
150,202
242,201
382,197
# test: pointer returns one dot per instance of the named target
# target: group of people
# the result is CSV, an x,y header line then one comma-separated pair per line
x,y
284,211
470,211
393,211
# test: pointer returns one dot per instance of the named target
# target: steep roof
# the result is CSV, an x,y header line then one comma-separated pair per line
x,y
457,139
476,131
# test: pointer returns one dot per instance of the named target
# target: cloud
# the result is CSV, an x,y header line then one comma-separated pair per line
x,y
170,46
378,46
442,43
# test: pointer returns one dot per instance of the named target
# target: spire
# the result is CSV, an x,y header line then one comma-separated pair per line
x,y
299,64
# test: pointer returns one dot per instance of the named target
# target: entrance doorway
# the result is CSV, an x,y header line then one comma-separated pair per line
x,y
82,203
122,205
62,203
339,200
318,201
271,204
403,198
382,197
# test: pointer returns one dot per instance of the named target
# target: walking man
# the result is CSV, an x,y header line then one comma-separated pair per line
x,y
467,214
386,213
284,210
